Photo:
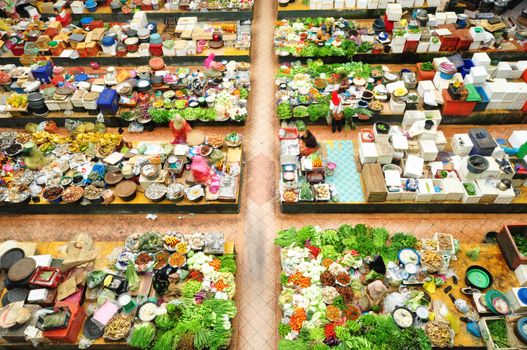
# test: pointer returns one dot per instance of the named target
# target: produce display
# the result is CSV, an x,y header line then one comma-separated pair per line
x,y
142,96
415,32
139,37
95,166
357,287
188,306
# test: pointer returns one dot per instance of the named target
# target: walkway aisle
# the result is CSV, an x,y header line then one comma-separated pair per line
x,y
257,297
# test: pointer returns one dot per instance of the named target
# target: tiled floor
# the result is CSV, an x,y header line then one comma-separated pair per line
x,y
254,229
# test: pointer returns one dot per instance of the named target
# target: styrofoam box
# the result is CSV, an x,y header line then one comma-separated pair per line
x,y
488,192
461,144
339,4
495,91
425,85
518,138
424,190
398,48
368,152
406,3
419,3
383,4
442,84
522,65
410,117
474,45
422,46
454,189
373,4
396,107
394,12
481,59
516,72
385,152
398,41
435,116
362,4
503,70
439,196
440,18
440,141
428,150
477,36
511,93
505,197
517,306
521,89
399,142
407,195
438,60
434,47
451,17
433,3
521,274
471,199
493,169
413,166
478,74
393,196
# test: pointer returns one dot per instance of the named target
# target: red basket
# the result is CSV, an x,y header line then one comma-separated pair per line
x,y
454,107
288,134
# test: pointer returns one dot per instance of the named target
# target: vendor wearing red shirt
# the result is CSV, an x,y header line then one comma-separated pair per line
x,y
308,143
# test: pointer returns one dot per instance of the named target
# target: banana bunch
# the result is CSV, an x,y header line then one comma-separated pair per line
x,y
171,241
42,137
105,142
17,100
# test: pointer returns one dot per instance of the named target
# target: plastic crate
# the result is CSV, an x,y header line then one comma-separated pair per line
x,y
467,65
108,102
453,107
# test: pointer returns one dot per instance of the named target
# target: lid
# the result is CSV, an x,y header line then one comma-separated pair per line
x,y
87,20
131,41
155,39
497,302
10,257
113,176
35,96
522,295
108,41
479,278
125,189
90,96
14,295
22,269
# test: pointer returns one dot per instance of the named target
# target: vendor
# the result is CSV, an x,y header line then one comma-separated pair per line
x,y
308,143
336,112
180,128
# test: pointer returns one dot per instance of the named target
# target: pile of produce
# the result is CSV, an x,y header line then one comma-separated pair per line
x,y
330,277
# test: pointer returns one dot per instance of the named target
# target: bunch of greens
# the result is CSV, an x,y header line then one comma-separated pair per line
x,y
318,111
300,112
498,332
159,115
228,263
521,243
205,114
142,336
283,110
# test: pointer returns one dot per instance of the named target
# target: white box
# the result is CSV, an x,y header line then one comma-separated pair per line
x,y
373,4
394,12
474,198
425,190
413,166
516,72
518,138
477,33
432,22
517,306
422,46
419,3
407,195
511,94
521,275
350,4
440,18
368,152
481,59
474,45
427,149
440,195
440,141
505,197
522,65
425,85
434,47
399,142
454,189
406,3
503,70
393,195
489,192
435,116
398,40
494,91
362,4
385,152
451,18
461,144
413,36
410,117
478,74
383,4
396,107
339,4
77,7
433,3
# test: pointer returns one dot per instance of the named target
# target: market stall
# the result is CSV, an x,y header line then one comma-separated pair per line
x,y
90,170
404,168
135,97
150,292
420,36
369,93
137,40
364,288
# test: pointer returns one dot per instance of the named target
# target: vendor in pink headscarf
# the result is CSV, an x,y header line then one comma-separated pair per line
x,y
180,128
200,170
336,112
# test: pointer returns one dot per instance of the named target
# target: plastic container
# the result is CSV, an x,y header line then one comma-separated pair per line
x,y
467,65
510,251
484,143
457,108
44,73
108,45
108,102
482,105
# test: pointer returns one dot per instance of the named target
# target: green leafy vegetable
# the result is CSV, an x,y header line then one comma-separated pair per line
x,y
142,336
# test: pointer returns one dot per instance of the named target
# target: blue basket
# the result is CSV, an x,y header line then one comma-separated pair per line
x,y
467,65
